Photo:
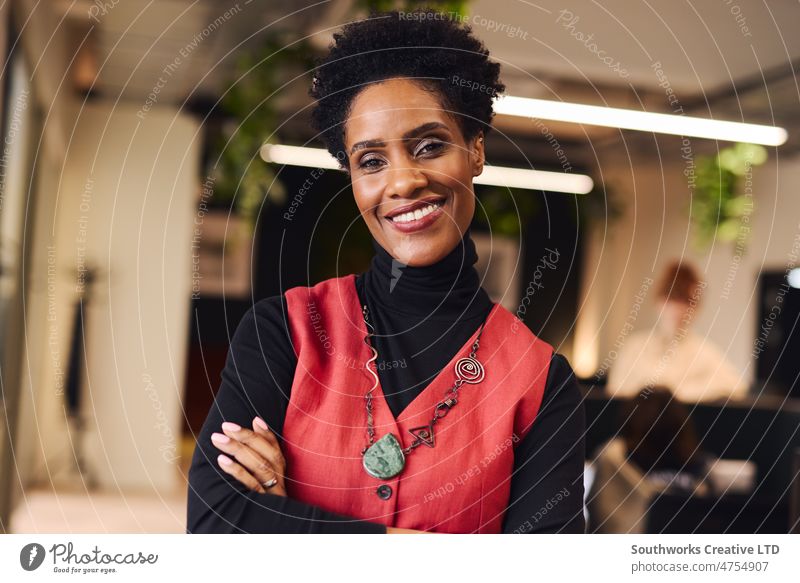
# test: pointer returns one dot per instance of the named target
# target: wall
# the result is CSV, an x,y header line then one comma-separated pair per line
x,y
44,45
125,203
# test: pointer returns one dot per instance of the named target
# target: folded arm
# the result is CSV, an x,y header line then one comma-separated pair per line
x,y
259,368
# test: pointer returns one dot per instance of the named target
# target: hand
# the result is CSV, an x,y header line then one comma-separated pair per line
x,y
258,455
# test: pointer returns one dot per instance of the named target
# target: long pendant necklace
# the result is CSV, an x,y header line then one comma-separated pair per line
x,y
384,459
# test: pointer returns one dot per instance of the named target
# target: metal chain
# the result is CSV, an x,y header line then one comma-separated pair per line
x,y
441,409
368,396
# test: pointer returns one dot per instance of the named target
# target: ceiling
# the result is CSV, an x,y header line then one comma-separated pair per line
x,y
735,61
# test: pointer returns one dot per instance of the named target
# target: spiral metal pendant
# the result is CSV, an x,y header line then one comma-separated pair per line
x,y
469,370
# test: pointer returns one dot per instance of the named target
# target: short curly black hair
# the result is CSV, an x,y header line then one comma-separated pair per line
x,y
433,48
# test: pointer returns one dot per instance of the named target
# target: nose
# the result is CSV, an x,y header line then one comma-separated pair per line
x,y
405,181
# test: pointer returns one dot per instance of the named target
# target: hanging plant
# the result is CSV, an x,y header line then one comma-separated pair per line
x,y
504,211
718,208
250,103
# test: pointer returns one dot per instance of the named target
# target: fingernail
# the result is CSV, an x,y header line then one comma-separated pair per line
x,y
224,460
261,423
230,426
220,438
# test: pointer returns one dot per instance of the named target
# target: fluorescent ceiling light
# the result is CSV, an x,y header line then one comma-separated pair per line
x,y
662,123
492,175
298,156
535,180
794,277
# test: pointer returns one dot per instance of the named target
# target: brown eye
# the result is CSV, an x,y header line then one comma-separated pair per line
x,y
430,147
366,163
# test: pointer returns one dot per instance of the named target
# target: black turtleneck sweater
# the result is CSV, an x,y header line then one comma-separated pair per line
x,y
422,316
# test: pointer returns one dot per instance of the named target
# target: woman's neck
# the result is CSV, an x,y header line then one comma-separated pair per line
x,y
447,289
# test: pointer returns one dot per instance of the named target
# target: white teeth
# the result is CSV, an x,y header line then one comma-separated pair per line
x,y
417,214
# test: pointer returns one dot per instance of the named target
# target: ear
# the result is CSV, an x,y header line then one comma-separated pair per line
x,y
477,154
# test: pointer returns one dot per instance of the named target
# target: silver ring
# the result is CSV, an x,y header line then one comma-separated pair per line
x,y
271,483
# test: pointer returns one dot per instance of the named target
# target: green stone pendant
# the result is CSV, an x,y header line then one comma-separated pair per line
x,y
384,459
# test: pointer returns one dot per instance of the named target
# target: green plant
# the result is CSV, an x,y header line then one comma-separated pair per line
x,y
504,211
717,208
250,103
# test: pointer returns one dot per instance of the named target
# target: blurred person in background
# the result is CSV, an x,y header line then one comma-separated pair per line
x,y
672,354
656,452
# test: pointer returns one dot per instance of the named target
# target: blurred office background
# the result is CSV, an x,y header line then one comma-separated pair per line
x,y
141,217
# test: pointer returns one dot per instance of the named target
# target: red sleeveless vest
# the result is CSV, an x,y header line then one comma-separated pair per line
x,y
462,484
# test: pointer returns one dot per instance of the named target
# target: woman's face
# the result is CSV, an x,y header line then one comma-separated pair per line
x,y
411,170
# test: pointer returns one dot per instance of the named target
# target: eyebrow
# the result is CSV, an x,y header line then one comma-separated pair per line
x,y
431,125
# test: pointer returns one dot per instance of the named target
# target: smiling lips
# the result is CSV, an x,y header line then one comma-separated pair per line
x,y
417,216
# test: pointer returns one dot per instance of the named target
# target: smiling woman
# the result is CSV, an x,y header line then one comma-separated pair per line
x,y
417,148
481,427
